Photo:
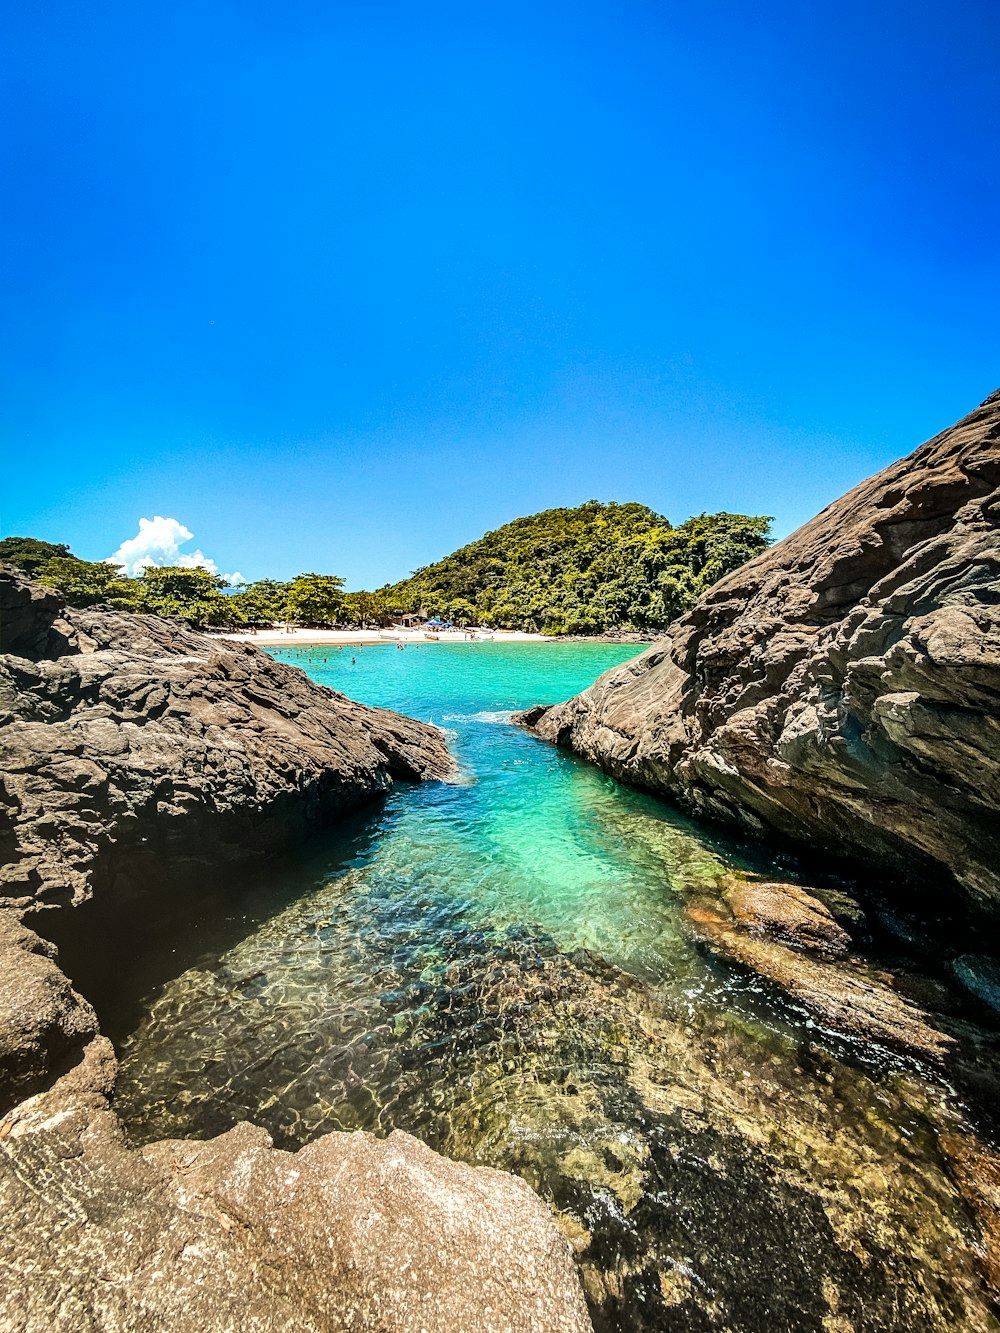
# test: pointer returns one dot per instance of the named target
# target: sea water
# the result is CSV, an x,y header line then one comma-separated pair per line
x,y
501,965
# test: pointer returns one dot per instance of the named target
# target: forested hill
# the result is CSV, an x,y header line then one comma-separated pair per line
x,y
585,570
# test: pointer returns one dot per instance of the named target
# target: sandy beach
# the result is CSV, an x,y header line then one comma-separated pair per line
x,y
312,637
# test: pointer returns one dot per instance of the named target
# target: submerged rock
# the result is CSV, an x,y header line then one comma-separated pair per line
x,y
131,744
843,688
137,754
230,1234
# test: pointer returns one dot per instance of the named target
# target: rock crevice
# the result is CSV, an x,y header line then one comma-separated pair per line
x,y
137,753
841,690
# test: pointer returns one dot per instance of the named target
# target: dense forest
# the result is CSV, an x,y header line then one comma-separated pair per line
x,y
589,570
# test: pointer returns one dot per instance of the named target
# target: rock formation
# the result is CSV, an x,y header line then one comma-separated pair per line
x,y
843,688
131,743
136,752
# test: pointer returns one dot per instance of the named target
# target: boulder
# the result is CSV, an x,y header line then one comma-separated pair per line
x,y
841,690
229,1235
131,745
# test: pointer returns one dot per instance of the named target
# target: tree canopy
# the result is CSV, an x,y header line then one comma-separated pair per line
x,y
586,570
29,554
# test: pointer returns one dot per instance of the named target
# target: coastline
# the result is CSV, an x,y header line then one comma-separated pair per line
x,y
316,638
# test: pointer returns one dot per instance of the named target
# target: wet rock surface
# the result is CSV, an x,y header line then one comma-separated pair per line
x,y
231,1234
842,689
131,743
132,747
791,938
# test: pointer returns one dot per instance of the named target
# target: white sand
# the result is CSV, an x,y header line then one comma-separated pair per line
x,y
311,637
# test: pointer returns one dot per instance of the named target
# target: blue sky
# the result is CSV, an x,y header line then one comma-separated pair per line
x,y
341,286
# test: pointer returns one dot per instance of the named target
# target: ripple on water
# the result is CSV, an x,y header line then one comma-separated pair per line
x,y
504,973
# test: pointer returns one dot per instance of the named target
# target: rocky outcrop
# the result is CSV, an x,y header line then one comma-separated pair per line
x,y
790,937
43,1022
843,688
232,1235
137,753
130,744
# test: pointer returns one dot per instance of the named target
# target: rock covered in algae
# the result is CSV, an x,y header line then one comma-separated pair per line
x,y
135,749
843,688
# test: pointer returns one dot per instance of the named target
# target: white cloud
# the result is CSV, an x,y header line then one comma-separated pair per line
x,y
158,542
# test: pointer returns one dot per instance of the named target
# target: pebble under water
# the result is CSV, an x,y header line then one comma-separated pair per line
x,y
500,965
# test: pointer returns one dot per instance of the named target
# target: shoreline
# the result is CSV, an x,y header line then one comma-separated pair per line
x,y
318,638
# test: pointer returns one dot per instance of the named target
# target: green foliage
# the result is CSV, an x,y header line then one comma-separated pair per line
x,y
30,554
367,609
315,599
87,582
262,603
566,571
586,570
193,594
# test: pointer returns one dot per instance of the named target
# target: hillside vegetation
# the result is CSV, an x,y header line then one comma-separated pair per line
x,y
586,570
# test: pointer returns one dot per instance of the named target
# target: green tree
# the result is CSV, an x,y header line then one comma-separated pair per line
x,y
89,582
261,603
585,570
30,554
193,594
316,599
365,609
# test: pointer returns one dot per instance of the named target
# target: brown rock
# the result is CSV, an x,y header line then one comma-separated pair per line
x,y
131,744
843,688
977,1170
851,1000
788,914
43,1022
350,1233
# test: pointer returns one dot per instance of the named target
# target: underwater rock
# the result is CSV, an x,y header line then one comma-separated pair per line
x,y
131,744
980,975
232,1234
842,689
136,754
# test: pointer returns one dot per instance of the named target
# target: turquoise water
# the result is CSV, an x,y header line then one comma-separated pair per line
x,y
501,965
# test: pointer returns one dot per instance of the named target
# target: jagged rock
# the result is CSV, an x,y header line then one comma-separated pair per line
x,y
788,936
788,914
231,1235
42,1019
135,750
131,744
843,688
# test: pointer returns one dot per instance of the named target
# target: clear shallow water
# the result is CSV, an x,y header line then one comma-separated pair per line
x,y
500,965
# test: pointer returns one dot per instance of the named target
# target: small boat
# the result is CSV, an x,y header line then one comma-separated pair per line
x,y
431,636
389,634
482,635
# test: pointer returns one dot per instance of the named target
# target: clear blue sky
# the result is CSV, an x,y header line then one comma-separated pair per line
x,y
340,286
